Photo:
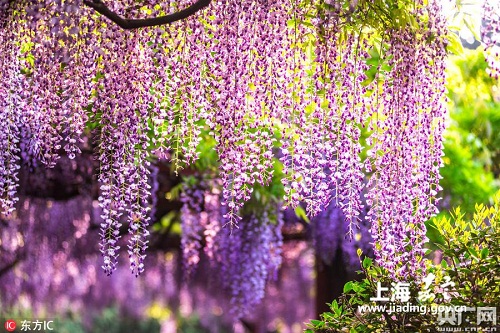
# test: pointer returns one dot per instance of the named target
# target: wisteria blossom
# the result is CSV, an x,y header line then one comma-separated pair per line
x,y
407,148
245,258
268,80
490,35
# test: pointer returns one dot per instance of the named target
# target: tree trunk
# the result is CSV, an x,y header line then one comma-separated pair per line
x,y
330,280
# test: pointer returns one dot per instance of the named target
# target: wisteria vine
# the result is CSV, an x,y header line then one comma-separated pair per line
x,y
258,75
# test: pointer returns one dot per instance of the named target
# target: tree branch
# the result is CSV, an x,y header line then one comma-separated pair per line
x,y
127,24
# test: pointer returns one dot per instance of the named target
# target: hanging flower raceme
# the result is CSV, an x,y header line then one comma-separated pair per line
x,y
180,92
407,147
11,107
321,148
239,118
58,116
192,227
490,35
122,107
247,257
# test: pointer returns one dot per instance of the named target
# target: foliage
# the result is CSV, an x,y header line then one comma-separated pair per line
x,y
471,154
474,99
470,250
111,321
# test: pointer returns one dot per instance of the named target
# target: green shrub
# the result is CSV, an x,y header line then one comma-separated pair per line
x,y
466,279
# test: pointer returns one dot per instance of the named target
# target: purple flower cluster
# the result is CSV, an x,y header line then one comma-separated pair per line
x,y
57,119
11,107
241,95
180,101
407,146
490,35
123,138
251,71
321,148
192,227
244,257
247,257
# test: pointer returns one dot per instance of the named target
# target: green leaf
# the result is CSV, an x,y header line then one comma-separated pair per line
x,y
473,252
301,214
484,253
348,287
310,108
455,44
357,288
367,262
433,233
317,323
291,23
